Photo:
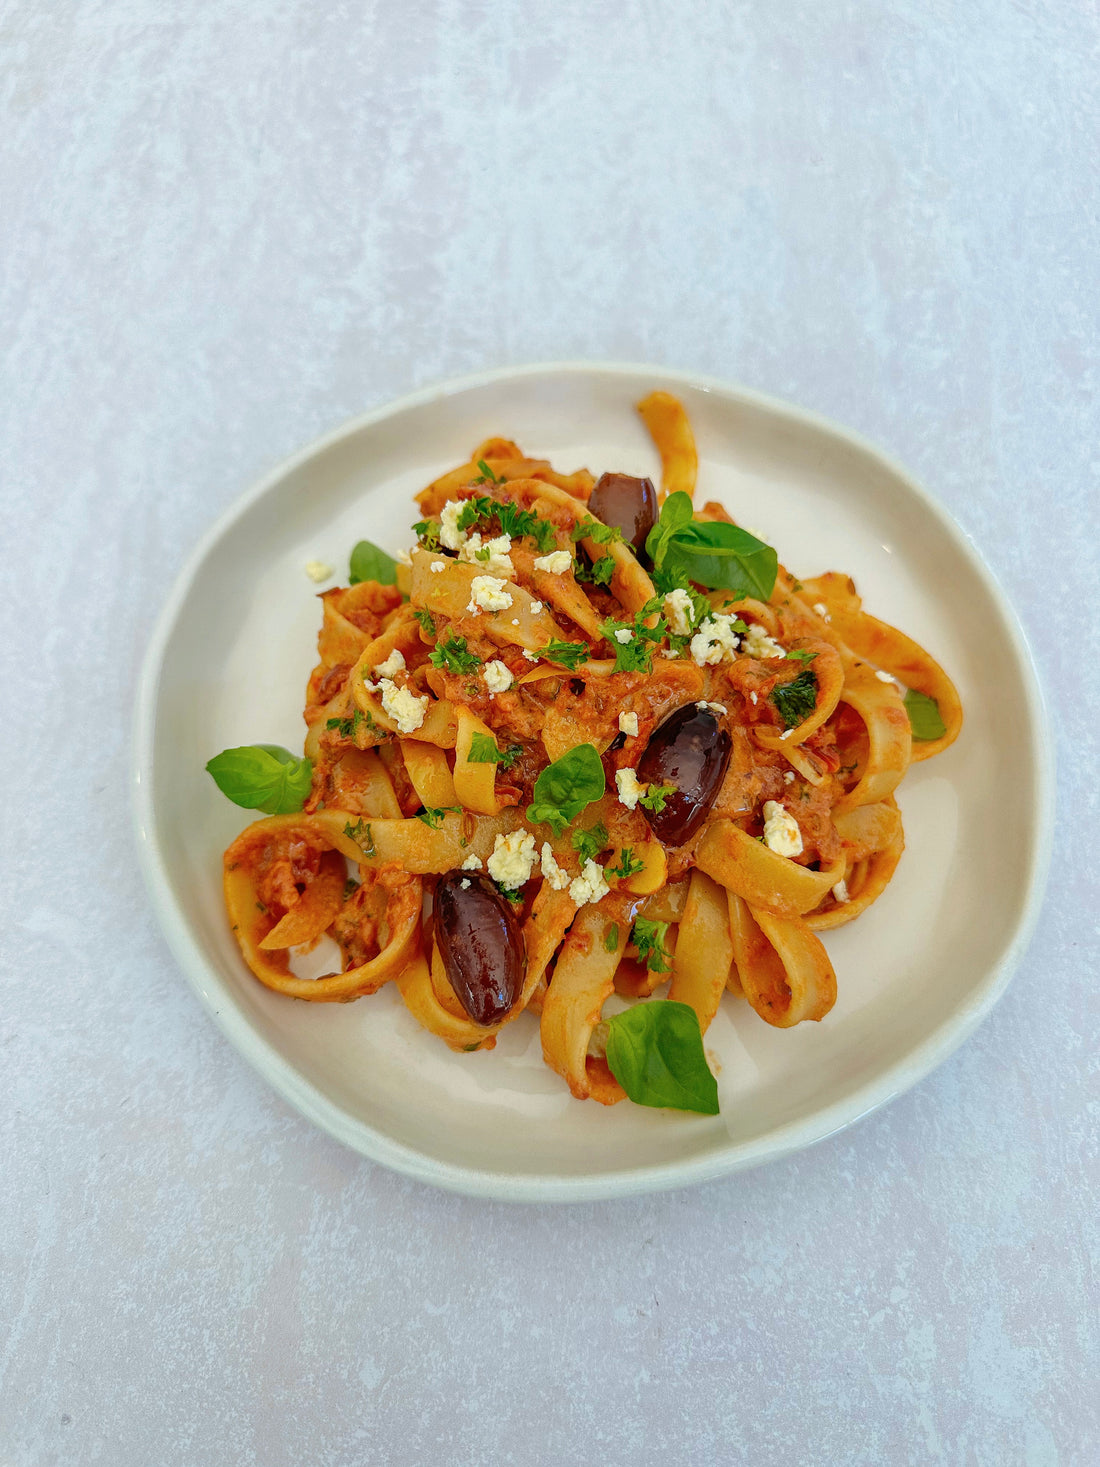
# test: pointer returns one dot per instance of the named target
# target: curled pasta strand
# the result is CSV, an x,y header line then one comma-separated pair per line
x,y
784,970
704,949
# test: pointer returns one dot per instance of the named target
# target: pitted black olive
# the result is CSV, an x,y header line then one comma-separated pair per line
x,y
480,943
691,751
628,503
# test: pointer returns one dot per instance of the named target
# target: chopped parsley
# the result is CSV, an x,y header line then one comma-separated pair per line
x,y
628,866
611,938
484,750
427,622
649,939
635,654
566,654
453,656
513,521
589,843
801,655
599,573
433,818
427,533
594,531
796,700
360,833
351,886
347,728
656,796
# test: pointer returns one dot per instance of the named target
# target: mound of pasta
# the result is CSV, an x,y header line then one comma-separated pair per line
x,y
584,738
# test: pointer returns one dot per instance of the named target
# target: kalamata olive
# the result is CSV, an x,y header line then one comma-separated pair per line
x,y
691,751
629,503
480,943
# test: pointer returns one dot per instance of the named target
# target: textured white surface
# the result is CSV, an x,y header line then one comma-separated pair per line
x,y
222,235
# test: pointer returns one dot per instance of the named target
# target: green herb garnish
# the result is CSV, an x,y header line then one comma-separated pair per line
x,y
924,717
801,655
347,728
484,750
628,866
564,788
656,797
589,843
711,553
649,938
796,700
599,573
433,818
487,475
427,622
360,833
453,656
611,938
569,655
263,777
599,534
368,563
655,1051
513,520
427,533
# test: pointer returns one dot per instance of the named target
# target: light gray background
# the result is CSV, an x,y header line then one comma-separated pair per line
x,y
227,227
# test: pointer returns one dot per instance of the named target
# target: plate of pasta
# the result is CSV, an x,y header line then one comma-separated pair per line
x,y
579,780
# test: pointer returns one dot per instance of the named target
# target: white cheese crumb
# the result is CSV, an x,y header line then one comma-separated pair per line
x,y
787,734
557,562
630,791
472,863
754,698
623,635
719,708
465,883
781,832
487,593
437,567
840,891
757,643
498,679
628,724
714,640
405,708
515,621
669,652
403,557
884,677
536,607
531,657
393,664
678,609
822,610
449,533
513,858
491,555
554,874
788,777
589,886
318,571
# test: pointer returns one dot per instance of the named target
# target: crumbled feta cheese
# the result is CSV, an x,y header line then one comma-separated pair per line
x,y
437,567
628,724
465,883
515,621
487,593
840,892
787,733
557,562
757,643
530,656
714,640
554,874
788,777
393,664
513,858
669,652
678,609
403,557
781,832
449,533
623,635
822,610
472,863
318,571
630,791
719,708
536,607
405,708
884,677
498,679
754,698
589,886
492,555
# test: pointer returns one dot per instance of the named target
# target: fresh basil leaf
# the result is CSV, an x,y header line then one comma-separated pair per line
x,y
924,717
655,1051
676,512
723,558
564,788
263,777
797,699
368,563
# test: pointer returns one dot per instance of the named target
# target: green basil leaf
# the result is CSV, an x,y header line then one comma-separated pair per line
x,y
564,788
924,716
655,1051
676,512
368,563
263,777
723,558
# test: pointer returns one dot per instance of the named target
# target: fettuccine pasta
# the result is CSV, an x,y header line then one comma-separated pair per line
x,y
584,738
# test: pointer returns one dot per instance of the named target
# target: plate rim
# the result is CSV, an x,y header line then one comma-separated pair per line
x,y
723,1160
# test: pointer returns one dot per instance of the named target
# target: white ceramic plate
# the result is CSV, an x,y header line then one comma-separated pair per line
x,y
228,665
